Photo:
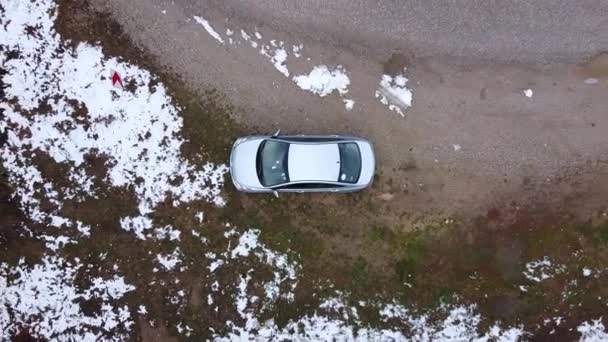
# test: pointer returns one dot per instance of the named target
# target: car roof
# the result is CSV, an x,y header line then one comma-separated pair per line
x,y
313,162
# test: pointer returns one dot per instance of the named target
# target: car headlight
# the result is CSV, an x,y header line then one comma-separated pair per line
x,y
239,141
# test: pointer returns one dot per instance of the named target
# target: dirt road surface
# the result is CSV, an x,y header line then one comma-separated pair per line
x,y
471,139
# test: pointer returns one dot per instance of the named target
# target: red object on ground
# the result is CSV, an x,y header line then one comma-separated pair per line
x,y
116,79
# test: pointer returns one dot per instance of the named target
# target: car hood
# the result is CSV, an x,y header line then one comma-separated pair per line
x,y
242,163
368,163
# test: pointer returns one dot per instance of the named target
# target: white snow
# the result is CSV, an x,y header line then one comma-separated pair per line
x,y
55,243
84,229
142,310
349,104
169,261
461,324
279,59
541,269
138,225
183,329
245,36
323,80
215,265
394,93
200,216
247,242
276,55
297,50
593,332
528,92
284,279
586,272
45,299
209,29
138,132
167,232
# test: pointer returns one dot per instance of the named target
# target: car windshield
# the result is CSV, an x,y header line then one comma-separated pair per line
x,y
271,162
350,162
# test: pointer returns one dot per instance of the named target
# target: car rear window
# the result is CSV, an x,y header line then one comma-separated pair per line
x,y
271,162
350,162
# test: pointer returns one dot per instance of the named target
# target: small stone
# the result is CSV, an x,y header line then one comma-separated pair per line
x,y
387,196
591,81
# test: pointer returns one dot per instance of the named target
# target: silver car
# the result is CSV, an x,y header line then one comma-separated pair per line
x,y
301,163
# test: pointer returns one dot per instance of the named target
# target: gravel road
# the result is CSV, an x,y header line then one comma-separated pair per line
x,y
495,30
471,139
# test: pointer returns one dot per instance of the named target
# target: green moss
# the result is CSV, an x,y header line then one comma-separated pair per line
x,y
405,270
441,294
208,127
359,274
601,232
379,232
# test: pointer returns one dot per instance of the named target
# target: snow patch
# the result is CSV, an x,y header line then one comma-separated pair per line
x,y
348,104
167,232
323,80
138,225
247,242
279,59
394,93
169,261
528,93
541,269
593,332
142,310
296,49
586,272
209,29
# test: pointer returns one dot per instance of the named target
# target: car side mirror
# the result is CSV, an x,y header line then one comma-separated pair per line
x,y
276,133
275,193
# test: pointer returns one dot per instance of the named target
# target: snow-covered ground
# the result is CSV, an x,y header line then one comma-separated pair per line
x,y
593,331
460,324
44,299
64,105
138,131
542,269
59,102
